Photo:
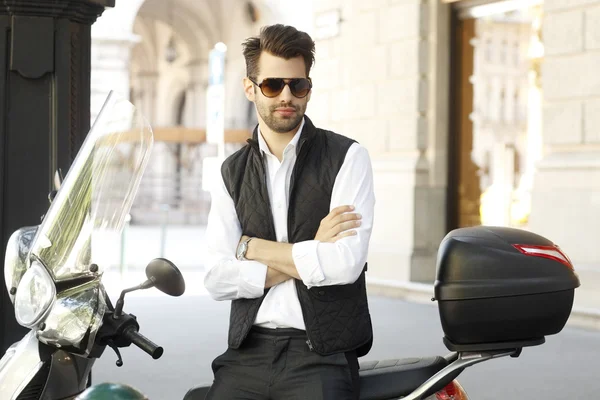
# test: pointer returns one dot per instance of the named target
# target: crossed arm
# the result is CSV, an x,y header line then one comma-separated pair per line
x,y
338,224
335,256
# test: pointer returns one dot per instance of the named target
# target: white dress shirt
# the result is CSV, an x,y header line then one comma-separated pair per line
x,y
318,264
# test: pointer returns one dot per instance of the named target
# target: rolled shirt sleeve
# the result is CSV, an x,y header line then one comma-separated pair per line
x,y
306,259
342,262
227,278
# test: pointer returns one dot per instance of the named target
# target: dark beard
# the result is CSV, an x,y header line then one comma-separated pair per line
x,y
282,124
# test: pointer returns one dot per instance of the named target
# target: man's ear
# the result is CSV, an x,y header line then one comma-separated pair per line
x,y
249,89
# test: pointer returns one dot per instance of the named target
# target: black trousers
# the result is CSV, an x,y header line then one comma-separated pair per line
x,y
277,364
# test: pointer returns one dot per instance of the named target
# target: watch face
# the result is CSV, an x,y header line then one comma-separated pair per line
x,y
241,250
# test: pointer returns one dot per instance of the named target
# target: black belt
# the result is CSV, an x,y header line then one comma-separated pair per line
x,y
278,331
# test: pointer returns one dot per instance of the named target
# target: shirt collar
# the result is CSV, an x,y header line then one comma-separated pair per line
x,y
262,144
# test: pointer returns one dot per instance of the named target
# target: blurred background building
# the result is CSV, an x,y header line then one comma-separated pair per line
x,y
473,111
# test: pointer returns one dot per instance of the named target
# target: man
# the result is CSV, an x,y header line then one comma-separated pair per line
x,y
288,235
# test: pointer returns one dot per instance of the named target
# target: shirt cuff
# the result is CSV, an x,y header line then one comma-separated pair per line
x,y
253,276
307,263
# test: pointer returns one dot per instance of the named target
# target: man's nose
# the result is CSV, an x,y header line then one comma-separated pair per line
x,y
286,95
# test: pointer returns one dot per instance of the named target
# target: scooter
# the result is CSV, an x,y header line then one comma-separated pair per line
x,y
498,290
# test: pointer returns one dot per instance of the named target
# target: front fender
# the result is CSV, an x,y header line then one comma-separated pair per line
x,y
19,365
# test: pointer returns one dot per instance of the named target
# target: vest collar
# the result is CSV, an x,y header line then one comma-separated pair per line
x,y
308,133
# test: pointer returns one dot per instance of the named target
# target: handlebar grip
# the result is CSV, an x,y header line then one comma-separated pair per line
x,y
143,343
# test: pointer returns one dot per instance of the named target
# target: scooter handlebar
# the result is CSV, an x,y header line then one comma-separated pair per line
x,y
143,343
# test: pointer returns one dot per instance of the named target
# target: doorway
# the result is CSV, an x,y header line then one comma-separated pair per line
x,y
495,108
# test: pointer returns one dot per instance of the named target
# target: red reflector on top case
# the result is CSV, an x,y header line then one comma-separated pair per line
x,y
550,252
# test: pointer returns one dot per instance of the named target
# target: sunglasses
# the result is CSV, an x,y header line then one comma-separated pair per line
x,y
272,87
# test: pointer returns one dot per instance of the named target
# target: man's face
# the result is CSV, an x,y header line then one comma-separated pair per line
x,y
284,112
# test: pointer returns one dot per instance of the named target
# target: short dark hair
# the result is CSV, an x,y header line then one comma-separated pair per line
x,y
281,41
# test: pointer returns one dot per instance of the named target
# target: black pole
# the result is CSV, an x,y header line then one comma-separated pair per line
x,y
44,111
452,195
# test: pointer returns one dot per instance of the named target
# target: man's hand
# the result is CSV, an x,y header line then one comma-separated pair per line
x,y
338,224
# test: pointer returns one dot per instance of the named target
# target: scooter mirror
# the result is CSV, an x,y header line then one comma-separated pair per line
x,y
165,276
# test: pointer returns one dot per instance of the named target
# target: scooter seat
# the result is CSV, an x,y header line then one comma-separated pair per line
x,y
197,393
379,380
390,379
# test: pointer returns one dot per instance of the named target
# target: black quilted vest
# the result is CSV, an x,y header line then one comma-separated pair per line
x,y
337,317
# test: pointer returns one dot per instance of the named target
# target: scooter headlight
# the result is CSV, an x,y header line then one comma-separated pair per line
x,y
35,295
75,318
16,257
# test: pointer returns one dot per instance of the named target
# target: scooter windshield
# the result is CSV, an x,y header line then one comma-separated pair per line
x,y
97,193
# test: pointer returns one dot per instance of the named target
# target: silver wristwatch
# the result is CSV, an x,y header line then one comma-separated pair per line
x,y
242,250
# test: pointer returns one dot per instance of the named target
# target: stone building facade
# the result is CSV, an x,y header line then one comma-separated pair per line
x,y
388,74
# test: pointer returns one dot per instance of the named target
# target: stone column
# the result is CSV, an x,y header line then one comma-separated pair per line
x,y
112,41
110,69
566,193
385,84
147,87
196,95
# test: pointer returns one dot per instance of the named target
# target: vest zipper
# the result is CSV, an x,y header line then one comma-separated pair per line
x,y
299,160
266,192
308,342
293,184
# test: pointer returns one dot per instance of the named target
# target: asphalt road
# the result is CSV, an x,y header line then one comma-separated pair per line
x,y
193,330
